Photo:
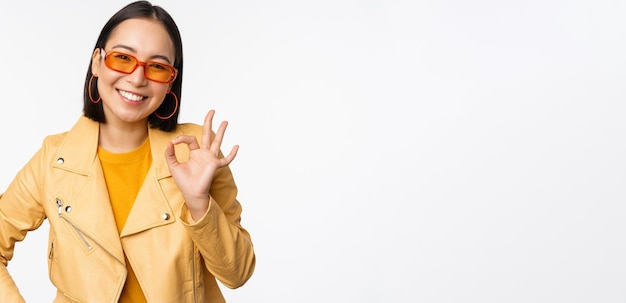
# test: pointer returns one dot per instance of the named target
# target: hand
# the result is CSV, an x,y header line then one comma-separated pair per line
x,y
194,177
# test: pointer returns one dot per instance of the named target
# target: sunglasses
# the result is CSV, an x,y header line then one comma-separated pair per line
x,y
125,63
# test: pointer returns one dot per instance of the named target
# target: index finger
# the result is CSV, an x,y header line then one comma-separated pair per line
x,y
207,132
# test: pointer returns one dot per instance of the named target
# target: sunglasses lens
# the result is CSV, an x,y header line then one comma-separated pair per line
x,y
159,72
154,71
121,62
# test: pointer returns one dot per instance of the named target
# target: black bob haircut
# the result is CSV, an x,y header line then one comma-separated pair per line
x,y
139,10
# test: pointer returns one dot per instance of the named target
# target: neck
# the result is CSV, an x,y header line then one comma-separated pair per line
x,y
121,139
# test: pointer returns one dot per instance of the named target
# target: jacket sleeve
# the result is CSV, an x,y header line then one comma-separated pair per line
x,y
20,212
223,243
8,289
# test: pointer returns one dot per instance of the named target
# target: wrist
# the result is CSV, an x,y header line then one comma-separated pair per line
x,y
197,208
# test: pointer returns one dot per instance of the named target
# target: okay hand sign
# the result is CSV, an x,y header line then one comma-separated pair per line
x,y
194,177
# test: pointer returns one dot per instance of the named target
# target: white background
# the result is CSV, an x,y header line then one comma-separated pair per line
x,y
391,151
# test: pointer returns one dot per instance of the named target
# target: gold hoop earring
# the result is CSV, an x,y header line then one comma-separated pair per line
x,y
89,91
175,108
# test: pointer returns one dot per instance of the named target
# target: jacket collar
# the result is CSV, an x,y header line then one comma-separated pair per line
x,y
79,150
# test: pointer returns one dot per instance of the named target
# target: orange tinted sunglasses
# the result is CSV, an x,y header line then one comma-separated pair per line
x,y
125,63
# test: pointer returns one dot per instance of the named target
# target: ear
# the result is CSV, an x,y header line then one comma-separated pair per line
x,y
95,62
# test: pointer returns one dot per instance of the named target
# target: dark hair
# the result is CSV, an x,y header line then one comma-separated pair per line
x,y
140,9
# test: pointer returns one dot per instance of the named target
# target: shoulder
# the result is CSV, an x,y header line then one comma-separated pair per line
x,y
191,129
76,146
188,129
55,140
52,143
83,133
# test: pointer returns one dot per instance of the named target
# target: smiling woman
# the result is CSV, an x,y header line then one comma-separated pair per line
x,y
149,220
392,151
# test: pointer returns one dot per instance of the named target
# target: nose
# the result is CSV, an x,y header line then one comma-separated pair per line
x,y
137,77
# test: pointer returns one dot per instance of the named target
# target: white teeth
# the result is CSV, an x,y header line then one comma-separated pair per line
x,y
130,96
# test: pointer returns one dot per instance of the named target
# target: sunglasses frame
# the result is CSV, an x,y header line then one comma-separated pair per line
x,y
106,54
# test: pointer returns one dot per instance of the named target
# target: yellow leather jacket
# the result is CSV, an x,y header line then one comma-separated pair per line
x,y
175,259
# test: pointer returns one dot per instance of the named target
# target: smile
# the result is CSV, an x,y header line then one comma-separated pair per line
x,y
130,96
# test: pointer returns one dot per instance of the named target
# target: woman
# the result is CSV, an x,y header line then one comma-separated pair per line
x,y
140,208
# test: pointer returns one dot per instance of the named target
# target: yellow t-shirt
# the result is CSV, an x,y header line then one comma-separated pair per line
x,y
124,174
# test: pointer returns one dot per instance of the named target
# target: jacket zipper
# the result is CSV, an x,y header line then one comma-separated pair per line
x,y
82,237
51,250
80,234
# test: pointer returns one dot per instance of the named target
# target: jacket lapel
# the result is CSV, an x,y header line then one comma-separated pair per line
x,y
154,201
86,200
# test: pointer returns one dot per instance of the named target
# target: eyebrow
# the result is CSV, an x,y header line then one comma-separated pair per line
x,y
135,51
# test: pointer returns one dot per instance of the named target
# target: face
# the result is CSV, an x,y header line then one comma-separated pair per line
x,y
131,98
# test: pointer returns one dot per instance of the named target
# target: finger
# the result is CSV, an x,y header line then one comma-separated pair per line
x,y
206,131
191,141
231,156
170,155
219,136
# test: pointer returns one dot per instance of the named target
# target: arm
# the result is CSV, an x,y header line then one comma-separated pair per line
x,y
209,190
224,244
8,289
20,212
